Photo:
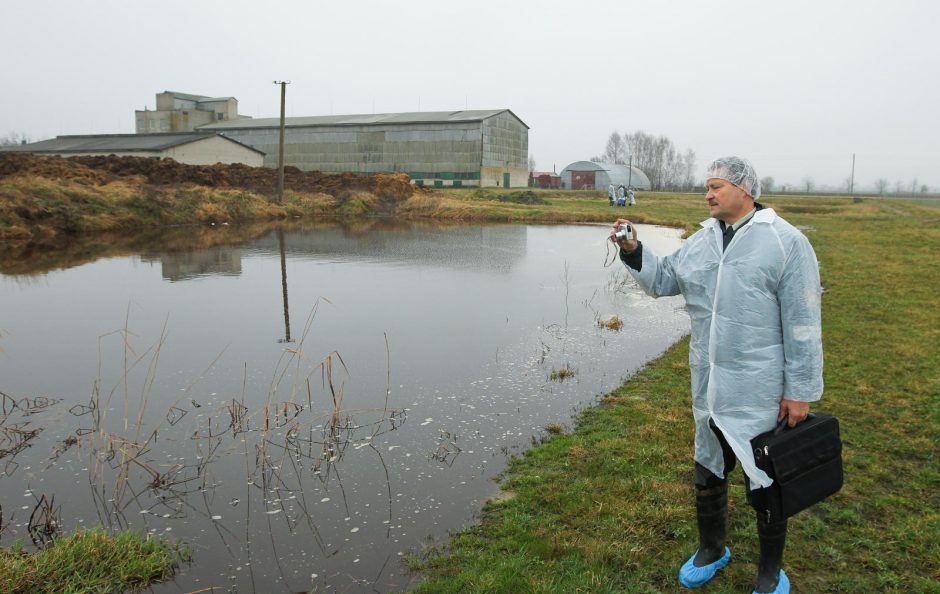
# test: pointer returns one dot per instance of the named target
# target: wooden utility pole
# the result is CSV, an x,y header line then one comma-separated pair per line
x,y
280,150
852,180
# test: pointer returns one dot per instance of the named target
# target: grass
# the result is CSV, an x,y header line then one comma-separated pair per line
x,y
562,373
34,208
608,507
90,561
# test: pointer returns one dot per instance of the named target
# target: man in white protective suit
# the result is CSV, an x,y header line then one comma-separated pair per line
x,y
751,284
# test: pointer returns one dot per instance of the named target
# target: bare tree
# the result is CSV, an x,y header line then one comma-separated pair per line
x,y
808,183
664,165
531,162
615,150
847,183
687,174
913,186
881,185
767,184
14,139
898,186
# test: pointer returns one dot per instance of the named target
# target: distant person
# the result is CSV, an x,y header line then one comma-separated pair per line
x,y
751,284
610,194
632,197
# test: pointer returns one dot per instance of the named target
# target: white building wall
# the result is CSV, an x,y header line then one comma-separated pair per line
x,y
214,149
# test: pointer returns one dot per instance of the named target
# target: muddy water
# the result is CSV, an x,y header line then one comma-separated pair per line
x,y
305,406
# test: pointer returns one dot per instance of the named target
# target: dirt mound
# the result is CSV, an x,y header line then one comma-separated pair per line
x,y
98,170
526,197
50,167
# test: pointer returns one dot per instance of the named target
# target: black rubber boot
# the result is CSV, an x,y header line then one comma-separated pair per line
x,y
711,507
773,539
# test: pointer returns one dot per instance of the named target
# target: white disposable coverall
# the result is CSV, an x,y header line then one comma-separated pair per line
x,y
756,329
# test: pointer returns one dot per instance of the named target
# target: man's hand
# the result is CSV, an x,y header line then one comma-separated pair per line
x,y
796,410
627,246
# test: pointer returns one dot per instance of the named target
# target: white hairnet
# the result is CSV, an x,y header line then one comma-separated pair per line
x,y
737,171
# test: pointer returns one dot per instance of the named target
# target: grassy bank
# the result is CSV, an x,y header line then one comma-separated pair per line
x,y
44,196
89,561
38,208
608,507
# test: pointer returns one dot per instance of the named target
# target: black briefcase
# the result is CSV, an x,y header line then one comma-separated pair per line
x,y
805,462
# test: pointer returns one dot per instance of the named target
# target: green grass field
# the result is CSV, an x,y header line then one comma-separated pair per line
x,y
609,506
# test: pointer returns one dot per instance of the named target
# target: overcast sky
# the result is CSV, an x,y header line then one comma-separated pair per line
x,y
796,86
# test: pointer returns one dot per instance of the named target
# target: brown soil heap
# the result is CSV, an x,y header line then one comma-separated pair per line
x,y
97,170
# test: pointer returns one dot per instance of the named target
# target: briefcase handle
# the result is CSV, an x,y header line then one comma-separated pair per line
x,y
782,424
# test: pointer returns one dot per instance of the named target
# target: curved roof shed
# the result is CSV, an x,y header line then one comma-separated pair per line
x,y
584,175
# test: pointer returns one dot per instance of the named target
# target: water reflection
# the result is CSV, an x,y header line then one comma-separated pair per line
x,y
182,266
283,253
312,458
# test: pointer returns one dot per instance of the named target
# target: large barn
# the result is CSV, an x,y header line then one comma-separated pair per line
x,y
587,175
444,148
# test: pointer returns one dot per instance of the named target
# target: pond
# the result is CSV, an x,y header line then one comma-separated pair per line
x,y
303,405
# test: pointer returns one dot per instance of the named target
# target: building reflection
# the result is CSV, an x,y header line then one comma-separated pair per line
x,y
181,266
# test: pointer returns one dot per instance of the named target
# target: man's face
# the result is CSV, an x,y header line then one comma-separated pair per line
x,y
726,201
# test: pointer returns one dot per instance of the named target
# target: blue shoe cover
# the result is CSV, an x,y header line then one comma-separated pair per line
x,y
691,576
783,585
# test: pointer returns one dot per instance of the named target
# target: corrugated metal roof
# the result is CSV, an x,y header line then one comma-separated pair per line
x,y
196,98
103,143
188,96
418,117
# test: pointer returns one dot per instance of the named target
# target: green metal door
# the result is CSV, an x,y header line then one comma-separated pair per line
x,y
505,180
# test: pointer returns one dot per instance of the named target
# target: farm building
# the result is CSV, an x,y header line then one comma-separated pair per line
x,y
183,112
544,180
446,148
192,148
587,175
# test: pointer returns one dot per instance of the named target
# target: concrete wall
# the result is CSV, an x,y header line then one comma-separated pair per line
x,y
214,150
184,120
169,102
176,114
187,120
227,108
152,122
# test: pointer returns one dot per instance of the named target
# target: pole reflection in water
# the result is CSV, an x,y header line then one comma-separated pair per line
x,y
280,242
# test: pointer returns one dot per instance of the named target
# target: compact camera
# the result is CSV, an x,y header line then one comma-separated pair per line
x,y
625,233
